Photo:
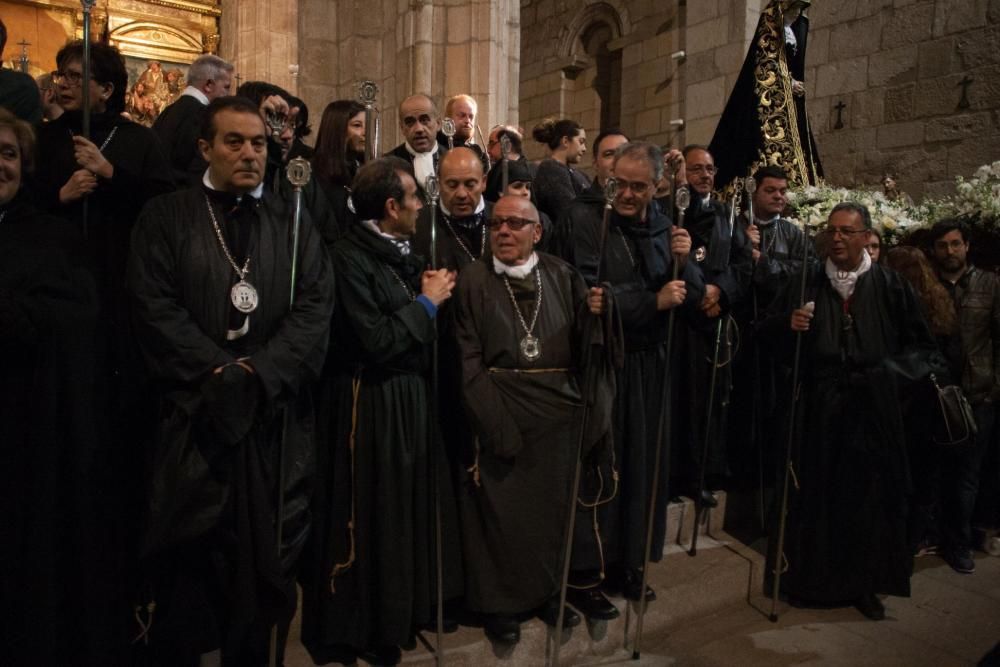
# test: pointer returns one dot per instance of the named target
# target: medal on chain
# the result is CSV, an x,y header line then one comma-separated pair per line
x,y
531,346
243,295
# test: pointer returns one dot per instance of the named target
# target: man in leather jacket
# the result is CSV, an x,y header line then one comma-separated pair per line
x,y
976,294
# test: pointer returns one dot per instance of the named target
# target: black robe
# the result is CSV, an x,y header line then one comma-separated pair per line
x,y
373,584
846,531
724,257
60,587
179,126
763,122
556,185
210,536
526,417
636,263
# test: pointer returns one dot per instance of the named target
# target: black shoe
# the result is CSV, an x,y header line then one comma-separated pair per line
x,y
709,500
633,584
960,560
592,603
502,629
549,612
382,655
870,606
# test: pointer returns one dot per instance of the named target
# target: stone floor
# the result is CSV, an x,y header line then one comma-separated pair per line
x,y
710,613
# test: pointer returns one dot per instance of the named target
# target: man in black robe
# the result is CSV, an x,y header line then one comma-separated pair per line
x,y
419,120
864,341
369,578
590,203
178,125
520,327
722,251
637,260
210,276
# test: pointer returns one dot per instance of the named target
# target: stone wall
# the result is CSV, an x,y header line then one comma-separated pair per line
x,y
897,66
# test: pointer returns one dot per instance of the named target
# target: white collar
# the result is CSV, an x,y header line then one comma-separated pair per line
x,y
256,193
764,223
520,271
845,281
480,207
415,153
191,91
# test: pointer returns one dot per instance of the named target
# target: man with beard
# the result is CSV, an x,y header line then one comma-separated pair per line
x,y
723,255
590,203
524,325
210,276
419,121
463,110
369,583
976,294
864,342
638,258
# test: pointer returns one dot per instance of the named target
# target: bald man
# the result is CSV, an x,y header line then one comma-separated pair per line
x,y
521,324
464,110
419,121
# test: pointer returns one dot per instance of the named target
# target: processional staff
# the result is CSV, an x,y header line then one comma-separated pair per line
x,y
367,94
85,98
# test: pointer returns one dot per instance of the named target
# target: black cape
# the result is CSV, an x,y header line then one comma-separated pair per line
x,y
556,185
763,123
214,456
368,577
526,417
846,533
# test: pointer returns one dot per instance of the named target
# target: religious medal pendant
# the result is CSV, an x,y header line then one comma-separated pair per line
x,y
700,254
244,297
531,348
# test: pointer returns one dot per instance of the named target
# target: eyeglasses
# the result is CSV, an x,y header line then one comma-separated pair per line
x,y
846,233
637,187
702,169
514,224
69,76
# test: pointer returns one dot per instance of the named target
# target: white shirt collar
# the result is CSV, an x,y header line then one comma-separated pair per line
x,y
414,152
480,207
256,193
844,282
191,91
520,271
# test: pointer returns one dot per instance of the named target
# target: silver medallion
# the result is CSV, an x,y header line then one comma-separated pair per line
x,y
531,348
699,254
244,297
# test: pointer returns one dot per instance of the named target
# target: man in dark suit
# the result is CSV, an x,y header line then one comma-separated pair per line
x,y
420,121
178,125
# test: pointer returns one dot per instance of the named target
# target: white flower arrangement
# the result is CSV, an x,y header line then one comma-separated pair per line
x,y
976,201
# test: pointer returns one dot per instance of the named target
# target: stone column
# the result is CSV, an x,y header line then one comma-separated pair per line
x,y
261,38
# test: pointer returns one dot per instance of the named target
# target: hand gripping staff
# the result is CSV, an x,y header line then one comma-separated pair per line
x,y
433,191
299,173
682,200
610,191
779,557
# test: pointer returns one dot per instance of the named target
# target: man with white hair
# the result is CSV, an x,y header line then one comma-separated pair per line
x,y
177,126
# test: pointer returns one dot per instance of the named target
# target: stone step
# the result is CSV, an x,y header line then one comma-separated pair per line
x,y
723,573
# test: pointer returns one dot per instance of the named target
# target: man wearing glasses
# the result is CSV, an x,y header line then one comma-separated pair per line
x,y
864,343
522,318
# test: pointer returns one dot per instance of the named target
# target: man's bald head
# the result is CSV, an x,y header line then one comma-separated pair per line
x,y
462,182
419,121
515,207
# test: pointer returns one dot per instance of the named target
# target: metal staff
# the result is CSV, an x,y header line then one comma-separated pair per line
x,y
682,199
778,554
299,173
750,185
486,152
85,99
505,167
448,129
367,92
610,190
700,505
433,191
